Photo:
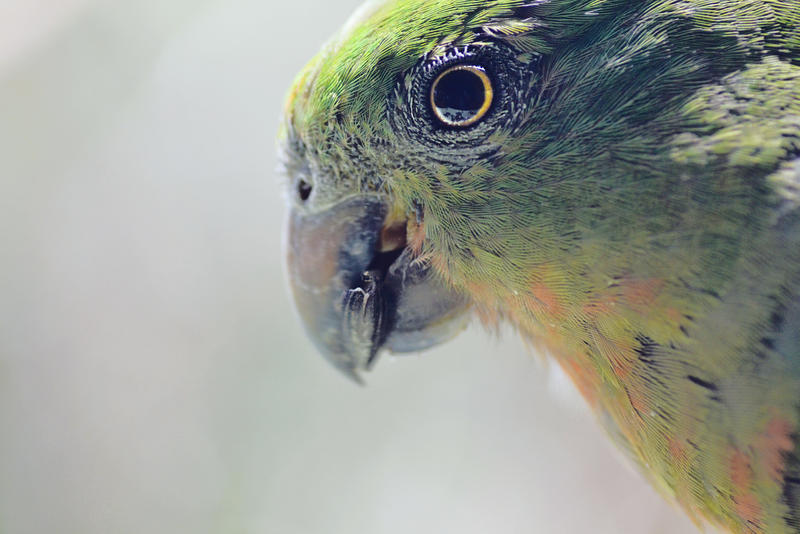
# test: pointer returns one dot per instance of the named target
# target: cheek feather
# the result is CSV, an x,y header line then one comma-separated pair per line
x,y
741,474
415,234
641,294
618,352
774,444
770,450
546,301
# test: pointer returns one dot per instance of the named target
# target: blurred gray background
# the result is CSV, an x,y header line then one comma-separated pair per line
x,y
153,377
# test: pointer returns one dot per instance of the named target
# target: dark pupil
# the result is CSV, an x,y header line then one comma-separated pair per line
x,y
459,95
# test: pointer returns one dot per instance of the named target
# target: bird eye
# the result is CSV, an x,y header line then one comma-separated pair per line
x,y
303,190
461,95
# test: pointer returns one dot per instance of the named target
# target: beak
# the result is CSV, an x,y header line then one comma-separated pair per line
x,y
358,290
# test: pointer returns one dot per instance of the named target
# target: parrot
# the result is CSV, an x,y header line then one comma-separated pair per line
x,y
618,181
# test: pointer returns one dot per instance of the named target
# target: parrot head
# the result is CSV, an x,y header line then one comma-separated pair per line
x,y
364,126
506,157
381,131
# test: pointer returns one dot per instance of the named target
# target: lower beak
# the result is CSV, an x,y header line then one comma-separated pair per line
x,y
358,291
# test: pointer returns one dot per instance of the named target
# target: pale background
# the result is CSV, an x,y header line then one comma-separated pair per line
x,y
153,378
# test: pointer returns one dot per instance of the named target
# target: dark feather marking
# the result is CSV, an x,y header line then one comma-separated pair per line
x,y
646,349
703,383
790,490
776,320
791,496
777,316
702,290
664,415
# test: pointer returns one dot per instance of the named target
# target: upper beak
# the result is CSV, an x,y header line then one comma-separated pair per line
x,y
357,288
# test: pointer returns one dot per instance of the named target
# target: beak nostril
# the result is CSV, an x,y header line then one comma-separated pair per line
x,y
304,190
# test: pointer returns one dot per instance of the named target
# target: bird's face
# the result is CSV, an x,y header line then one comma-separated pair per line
x,y
372,127
444,155
401,143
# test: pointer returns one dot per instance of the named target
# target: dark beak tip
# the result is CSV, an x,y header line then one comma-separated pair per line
x,y
351,373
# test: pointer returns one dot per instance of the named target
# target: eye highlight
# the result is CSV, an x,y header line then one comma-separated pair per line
x,y
461,95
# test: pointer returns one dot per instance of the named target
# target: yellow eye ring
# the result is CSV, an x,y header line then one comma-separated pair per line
x,y
461,95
